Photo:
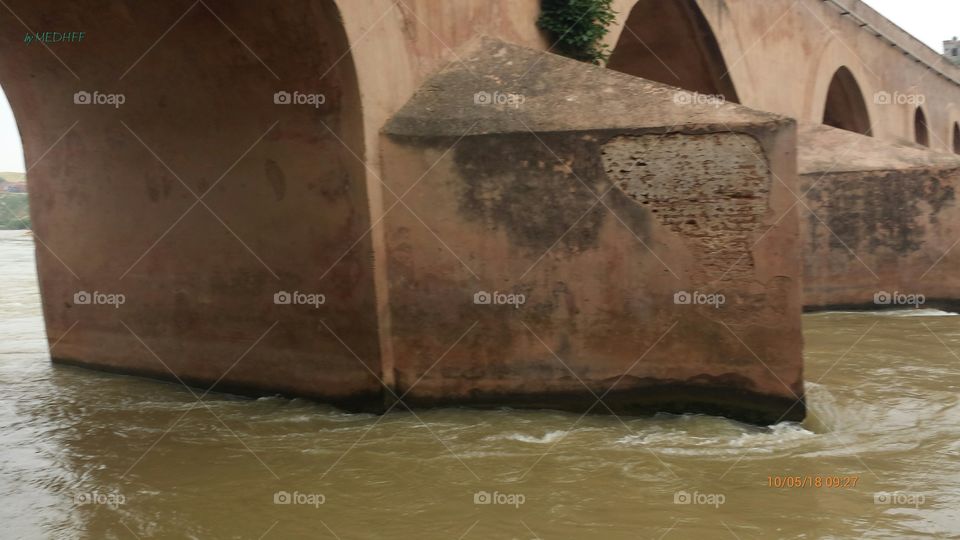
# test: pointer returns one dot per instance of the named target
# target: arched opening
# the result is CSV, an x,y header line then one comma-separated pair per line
x,y
845,107
921,132
201,168
672,42
956,138
14,209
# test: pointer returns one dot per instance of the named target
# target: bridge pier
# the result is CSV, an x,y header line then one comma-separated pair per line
x,y
879,222
536,176
215,185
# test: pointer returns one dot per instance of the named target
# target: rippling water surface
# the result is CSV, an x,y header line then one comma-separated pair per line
x,y
93,455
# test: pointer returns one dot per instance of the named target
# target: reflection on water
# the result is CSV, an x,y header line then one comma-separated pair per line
x,y
88,454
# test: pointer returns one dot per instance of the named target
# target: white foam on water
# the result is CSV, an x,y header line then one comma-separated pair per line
x,y
682,442
548,438
272,398
909,312
919,313
776,436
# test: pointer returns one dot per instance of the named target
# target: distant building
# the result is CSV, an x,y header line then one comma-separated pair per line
x,y
951,49
16,188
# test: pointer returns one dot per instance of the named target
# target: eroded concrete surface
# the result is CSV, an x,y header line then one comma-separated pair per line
x,y
713,189
877,219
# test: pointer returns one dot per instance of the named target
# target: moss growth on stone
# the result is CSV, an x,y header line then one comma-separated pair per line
x,y
577,27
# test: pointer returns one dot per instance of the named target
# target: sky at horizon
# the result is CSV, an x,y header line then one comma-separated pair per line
x,y
11,150
930,21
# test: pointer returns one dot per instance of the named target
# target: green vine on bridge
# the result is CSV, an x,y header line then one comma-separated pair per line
x,y
577,27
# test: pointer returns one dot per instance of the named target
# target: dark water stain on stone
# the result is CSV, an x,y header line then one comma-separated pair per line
x,y
276,178
335,187
536,191
158,186
880,210
153,188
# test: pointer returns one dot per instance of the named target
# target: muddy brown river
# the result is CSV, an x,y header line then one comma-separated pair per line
x,y
85,454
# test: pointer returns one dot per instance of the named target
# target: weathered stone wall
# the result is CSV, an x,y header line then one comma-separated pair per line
x,y
559,216
712,189
879,226
600,313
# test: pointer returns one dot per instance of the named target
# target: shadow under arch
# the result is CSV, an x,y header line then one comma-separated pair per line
x,y
921,129
845,107
673,43
267,132
956,137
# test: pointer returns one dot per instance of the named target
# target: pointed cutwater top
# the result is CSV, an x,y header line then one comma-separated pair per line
x,y
498,87
823,149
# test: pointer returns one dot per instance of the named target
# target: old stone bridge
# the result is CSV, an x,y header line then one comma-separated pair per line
x,y
368,203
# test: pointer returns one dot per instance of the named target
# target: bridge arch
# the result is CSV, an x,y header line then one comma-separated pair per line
x,y
268,133
833,58
673,43
921,127
844,105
